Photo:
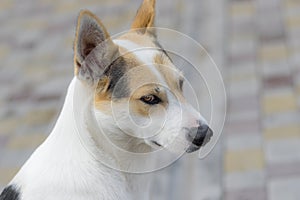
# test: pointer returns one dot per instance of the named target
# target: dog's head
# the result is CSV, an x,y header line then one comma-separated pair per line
x,y
138,90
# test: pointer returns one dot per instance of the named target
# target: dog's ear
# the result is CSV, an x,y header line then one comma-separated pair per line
x,y
145,16
94,50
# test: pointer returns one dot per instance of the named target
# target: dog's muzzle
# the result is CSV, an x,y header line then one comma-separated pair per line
x,y
198,136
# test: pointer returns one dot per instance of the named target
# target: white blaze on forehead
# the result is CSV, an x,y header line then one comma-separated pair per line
x,y
144,54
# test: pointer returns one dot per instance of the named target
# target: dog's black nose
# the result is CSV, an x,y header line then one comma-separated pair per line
x,y
199,136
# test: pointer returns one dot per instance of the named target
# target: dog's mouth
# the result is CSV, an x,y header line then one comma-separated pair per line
x,y
156,143
194,145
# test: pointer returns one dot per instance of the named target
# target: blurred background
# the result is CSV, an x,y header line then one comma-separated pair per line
x,y
255,44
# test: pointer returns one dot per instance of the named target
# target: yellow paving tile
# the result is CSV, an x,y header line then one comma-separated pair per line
x,y
26,141
242,77
180,6
4,51
279,103
8,125
273,52
289,131
244,160
6,174
68,42
38,117
68,7
34,24
242,8
291,3
297,90
5,5
293,22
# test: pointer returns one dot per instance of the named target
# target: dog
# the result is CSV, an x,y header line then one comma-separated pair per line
x,y
129,89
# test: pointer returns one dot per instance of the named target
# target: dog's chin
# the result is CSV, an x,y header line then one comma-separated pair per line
x,y
153,144
192,148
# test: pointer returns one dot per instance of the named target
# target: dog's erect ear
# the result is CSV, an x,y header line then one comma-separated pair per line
x,y
145,16
93,48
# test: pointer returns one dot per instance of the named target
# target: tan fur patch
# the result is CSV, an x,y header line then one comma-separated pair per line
x,y
141,82
138,107
102,97
170,73
145,15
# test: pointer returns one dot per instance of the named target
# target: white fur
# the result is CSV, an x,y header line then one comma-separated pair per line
x,y
146,55
67,165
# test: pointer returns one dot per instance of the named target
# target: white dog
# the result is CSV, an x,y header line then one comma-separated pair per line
x,y
124,101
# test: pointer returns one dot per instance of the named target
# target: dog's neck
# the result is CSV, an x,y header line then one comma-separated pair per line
x,y
71,159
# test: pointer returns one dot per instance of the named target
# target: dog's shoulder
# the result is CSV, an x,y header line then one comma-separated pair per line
x,y
10,193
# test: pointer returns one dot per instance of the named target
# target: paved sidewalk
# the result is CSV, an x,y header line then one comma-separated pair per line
x,y
262,145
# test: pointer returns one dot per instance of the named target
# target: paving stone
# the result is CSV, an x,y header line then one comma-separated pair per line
x,y
292,3
282,151
270,37
279,103
7,126
11,158
243,45
238,142
288,188
241,58
246,194
271,27
35,117
293,22
244,180
243,103
244,160
282,132
26,141
278,81
283,170
242,26
275,68
281,119
242,8
243,126
273,52
243,116
241,72
7,174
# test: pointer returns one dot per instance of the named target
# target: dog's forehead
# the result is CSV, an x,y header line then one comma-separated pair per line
x,y
153,65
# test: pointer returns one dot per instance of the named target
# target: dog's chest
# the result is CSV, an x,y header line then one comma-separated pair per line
x,y
73,182
69,172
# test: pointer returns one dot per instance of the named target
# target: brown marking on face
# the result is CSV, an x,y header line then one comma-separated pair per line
x,y
170,74
102,96
144,82
141,82
116,85
138,107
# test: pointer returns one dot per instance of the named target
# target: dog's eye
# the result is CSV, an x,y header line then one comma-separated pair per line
x,y
150,99
180,84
